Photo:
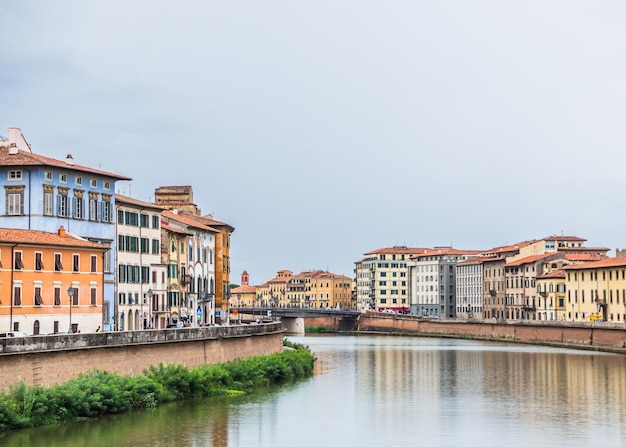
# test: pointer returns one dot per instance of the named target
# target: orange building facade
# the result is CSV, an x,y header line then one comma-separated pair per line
x,y
50,282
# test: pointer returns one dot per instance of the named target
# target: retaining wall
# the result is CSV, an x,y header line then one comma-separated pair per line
x,y
600,336
48,360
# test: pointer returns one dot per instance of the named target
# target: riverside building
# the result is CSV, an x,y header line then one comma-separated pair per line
x,y
43,193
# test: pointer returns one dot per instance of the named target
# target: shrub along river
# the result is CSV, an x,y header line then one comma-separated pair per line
x,y
391,391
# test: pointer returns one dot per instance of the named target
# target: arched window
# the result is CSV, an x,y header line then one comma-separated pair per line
x,y
36,327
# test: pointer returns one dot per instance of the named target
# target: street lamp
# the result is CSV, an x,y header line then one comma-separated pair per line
x,y
150,293
70,292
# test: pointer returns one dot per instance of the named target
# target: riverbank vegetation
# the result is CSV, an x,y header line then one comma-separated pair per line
x,y
315,329
98,393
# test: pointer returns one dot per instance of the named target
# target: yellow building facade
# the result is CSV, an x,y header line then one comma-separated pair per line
x,y
597,290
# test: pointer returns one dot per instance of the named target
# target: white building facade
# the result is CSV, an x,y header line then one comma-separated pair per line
x,y
140,274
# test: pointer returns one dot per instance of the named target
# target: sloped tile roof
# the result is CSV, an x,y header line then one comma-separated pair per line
x,y
35,237
604,263
24,158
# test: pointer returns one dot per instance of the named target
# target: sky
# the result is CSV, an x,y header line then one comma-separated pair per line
x,y
323,130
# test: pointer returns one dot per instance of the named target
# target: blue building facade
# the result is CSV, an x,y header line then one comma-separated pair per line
x,y
42,193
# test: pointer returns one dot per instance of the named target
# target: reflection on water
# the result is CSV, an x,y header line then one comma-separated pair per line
x,y
392,391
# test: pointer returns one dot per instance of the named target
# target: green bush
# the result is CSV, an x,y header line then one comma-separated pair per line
x,y
99,392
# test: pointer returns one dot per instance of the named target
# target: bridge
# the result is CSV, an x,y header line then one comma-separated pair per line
x,y
294,318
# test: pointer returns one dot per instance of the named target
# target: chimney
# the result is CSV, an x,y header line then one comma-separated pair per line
x,y
69,160
17,139
61,231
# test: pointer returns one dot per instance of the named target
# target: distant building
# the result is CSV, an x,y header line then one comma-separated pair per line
x,y
326,290
244,295
51,282
596,289
43,193
469,288
432,278
382,279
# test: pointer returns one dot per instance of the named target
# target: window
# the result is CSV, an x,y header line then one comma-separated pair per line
x,y
57,296
63,178
78,180
38,260
106,209
94,263
17,296
76,263
93,293
78,206
108,266
47,175
38,298
18,264
122,273
172,271
155,222
145,275
15,175
156,246
144,221
62,205
93,183
131,219
48,202
145,245
15,202
75,297
106,185
58,266
93,208
120,217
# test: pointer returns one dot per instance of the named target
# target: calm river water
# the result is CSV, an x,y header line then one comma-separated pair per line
x,y
392,391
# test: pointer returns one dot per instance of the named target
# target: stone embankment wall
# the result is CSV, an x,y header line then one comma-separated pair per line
x,y
48,360
598,336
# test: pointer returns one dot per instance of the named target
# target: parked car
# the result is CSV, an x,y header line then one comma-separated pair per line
x,y
13,334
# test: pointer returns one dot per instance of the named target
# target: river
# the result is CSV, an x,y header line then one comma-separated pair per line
x,y
391,391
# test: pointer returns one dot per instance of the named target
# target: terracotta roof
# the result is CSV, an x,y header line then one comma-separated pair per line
x,y
172,229
583,256
564,238
528,260
23,158
174,187
131,201
398,250
604,263
316,274
35,237
509,248
209,221
447,251
553,274
187,221
243,289
474,260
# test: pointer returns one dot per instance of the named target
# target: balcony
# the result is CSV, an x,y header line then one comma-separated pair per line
x,y
185,279
492,292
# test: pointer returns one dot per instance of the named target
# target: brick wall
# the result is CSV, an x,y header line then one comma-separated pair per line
x,y
50,360
602,336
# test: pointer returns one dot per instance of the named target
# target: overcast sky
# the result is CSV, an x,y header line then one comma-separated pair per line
x,y
325,129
